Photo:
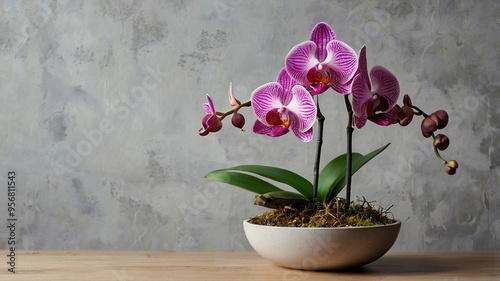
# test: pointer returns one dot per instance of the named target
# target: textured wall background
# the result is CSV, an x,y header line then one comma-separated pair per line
x,y
102,102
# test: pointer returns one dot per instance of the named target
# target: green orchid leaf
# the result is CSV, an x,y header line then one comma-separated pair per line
x,y
242,180
335,177
358,161
280,175
332,174
356,165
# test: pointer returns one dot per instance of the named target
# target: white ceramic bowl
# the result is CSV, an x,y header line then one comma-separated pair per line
x,y
315,248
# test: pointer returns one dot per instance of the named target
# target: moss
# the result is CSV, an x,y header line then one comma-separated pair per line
x,y
333,214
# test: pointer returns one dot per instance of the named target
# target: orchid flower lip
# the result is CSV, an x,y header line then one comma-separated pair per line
x,y
278,117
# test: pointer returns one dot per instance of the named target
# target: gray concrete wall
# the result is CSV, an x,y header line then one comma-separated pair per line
x,y
102,102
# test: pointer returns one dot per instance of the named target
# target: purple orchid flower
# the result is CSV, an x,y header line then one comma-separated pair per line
x,y
376,101
322,62
282,105
210,122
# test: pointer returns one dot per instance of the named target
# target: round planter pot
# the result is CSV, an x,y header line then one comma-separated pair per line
x,y
333,248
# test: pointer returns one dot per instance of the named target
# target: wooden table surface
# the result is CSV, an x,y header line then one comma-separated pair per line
x,y
173,265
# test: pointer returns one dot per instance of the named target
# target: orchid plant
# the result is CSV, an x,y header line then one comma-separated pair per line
x,y
311,68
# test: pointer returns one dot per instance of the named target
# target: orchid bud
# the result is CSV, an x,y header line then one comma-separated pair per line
x,y
238,120
405,115
451,167
450,171
428,127
232,100
441,142
215,126
407,100
211,124
440,117
453,164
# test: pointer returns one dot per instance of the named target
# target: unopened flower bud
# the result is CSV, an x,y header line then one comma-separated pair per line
x,y
405,115
440,117
452,164
428,127
441,142
238,120
407,100
451,167
232,100
450,171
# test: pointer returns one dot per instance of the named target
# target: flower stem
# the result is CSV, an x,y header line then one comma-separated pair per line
x,y
321,121
437,152
235,110
349,129
439,156
419,111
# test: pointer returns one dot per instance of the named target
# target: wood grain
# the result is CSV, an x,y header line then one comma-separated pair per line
x,y
173,265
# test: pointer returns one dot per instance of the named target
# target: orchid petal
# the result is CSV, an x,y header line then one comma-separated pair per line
x,y
316,89
321,34
305,136
209,107
286,81
343,89
267,97
212,123
363,68
360,97
303,110
232,100
385,85
204,129
300,60
360,121
386,119
392,115
278,131
261,129
203,132
342,59
379,119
